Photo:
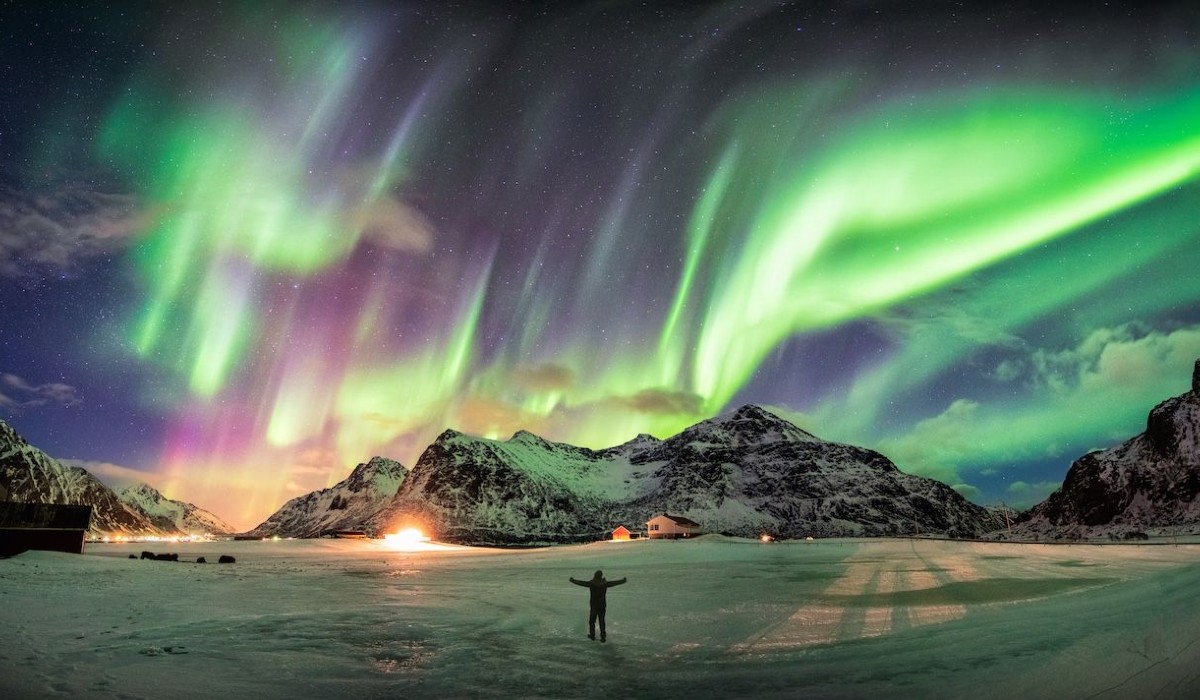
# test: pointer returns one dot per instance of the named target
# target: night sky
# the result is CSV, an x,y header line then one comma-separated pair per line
x,y
245,246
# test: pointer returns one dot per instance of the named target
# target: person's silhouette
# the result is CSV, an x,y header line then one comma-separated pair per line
x,y
599,588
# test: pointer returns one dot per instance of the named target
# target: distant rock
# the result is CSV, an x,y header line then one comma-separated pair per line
x,y
348,505
743,473
226,559
170,515
1148,482
28,475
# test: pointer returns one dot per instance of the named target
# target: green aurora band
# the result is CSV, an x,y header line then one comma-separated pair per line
x,y
912,199
789,235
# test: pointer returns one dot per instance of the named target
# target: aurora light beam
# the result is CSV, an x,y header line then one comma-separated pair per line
x,y
306,235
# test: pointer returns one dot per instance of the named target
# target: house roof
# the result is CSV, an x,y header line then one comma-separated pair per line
x,y
678,520
620,527
54,516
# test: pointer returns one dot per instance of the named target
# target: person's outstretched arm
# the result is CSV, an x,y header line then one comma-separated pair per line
x,y
578,583
617,582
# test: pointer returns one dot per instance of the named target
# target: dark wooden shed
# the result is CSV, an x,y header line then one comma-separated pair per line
x,y
54,527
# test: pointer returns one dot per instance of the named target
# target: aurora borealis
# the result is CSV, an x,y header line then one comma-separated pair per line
x,y
246,247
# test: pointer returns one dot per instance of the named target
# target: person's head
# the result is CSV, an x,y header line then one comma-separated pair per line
x,y
599,574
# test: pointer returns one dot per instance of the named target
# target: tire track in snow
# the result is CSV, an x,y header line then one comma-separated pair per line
x,y
938,571
821,623
869,573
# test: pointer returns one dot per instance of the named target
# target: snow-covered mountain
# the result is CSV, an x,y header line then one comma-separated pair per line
x,y
28,475
1150,481
742,473
172,516
347,505
753,470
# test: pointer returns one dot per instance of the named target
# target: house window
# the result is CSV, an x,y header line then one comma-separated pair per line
x,y
654,527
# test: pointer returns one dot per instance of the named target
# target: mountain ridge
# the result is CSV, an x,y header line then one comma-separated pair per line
x,y
169,515
743,473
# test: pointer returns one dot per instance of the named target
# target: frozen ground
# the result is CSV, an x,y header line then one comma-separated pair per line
x,y
706,618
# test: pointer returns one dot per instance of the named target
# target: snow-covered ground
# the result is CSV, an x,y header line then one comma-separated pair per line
x,y
706,618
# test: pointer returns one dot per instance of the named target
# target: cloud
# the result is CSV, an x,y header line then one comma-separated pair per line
x,y
1009,370
796,418
315,460
1097,393
58,229
1131,363
383,218
948,316
393,224
1024,495
936,447
489,417
665,401
1125,357
116,476
22,394
969,492
544,377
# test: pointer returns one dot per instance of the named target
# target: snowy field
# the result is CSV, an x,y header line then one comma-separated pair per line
x,y
709,618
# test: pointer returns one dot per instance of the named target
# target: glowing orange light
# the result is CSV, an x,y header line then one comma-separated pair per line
x,y
408,538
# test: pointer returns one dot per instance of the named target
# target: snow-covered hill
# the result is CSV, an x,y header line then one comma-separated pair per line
x,y
28,475
743,473
347,505
1148,482
172,516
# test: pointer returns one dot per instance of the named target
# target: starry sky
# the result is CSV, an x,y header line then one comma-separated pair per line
x,y
245,246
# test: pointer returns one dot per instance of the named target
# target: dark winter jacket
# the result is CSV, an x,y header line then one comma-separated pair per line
x,y
599,588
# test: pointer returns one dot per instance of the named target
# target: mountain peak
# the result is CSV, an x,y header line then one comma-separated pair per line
x,y
347,505
1196,379
523,435
380,473
378,463
449,434
754,412
757,424
141,488
7,434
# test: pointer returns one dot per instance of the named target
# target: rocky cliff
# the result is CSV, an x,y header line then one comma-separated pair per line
x,y
1149,481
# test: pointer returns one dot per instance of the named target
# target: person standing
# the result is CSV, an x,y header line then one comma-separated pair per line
x,y
599,588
